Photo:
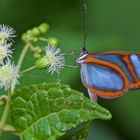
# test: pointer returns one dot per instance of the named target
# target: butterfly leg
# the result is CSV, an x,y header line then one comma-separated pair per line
x,y
74,56
71,66
92,96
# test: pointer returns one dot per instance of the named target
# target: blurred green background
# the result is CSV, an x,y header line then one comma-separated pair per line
x,y
112,25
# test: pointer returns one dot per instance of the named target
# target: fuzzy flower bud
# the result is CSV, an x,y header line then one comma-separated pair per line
x,y
6,33
5,52
53,60
8,75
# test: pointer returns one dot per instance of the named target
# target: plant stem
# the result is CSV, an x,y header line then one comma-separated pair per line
x,y
9,128
20,61
28,69
22,55
31,47
6,111
43,39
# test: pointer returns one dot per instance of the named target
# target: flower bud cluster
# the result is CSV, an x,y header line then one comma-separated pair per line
x,y
33,34
51,57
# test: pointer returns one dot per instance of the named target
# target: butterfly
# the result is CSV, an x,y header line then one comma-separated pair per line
x,y
109,74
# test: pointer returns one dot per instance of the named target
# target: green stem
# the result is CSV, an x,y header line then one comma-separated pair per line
x,y
21,58
6,111
31,47
20,61
43,39
28,69
3,99
9,128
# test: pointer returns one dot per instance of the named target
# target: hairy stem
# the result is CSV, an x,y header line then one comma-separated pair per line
x,y
6,111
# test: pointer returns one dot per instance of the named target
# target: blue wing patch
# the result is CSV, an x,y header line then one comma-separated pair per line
x,y
101,77
116,59
136,63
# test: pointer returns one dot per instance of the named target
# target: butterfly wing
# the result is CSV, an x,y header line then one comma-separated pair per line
x,y
111,74
103,78
128,62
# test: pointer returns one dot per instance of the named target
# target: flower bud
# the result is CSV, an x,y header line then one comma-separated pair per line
x,y
34,39
38,49
44,27
37,55
24,37
53,60
8,75
52,41
35,31
42,63
29,32
5,52
6,33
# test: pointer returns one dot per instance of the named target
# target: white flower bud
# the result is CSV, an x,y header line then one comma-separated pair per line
x,y
53,60
5,52
8,75
6,33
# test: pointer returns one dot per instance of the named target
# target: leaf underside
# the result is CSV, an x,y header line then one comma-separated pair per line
x,y
48,111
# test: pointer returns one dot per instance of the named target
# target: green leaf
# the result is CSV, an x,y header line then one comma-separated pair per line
x,y
48,111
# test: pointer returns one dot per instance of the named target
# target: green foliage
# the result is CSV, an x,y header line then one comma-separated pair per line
x,y
48,111
112,25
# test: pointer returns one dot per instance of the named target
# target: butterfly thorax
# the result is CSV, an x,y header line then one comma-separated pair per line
x,y
82,57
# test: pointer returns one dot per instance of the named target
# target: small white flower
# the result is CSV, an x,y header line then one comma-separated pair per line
x,y
7,32
8,75
55,59
5,52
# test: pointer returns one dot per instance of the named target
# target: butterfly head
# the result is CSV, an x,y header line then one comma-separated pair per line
x,y
83,56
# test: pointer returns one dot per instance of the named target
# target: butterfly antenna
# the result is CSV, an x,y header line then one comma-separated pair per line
x,y
83,49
